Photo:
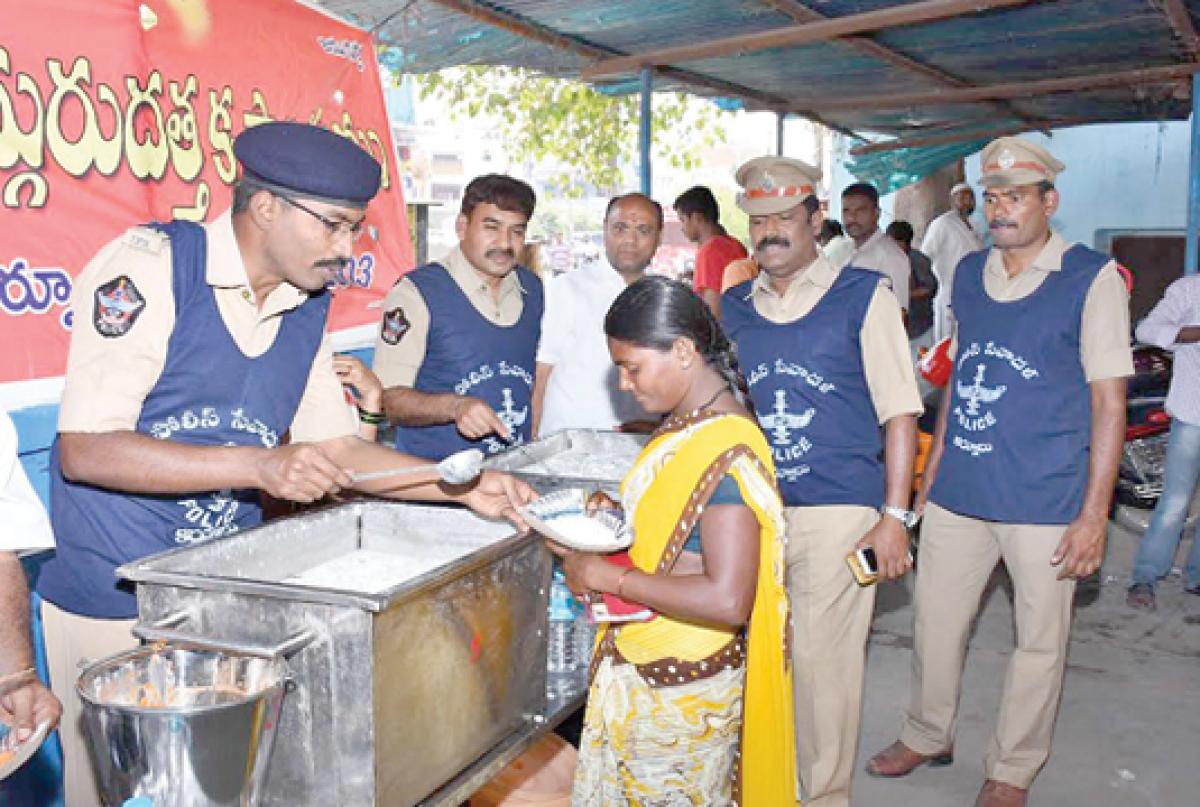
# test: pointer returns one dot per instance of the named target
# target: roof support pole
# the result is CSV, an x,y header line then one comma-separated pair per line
x,y
1193,219
780,117
644,128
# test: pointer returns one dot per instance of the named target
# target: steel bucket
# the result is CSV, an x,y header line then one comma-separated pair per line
x,y
182,726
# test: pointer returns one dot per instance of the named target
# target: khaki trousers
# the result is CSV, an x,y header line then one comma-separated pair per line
x,y
831,618
72,643
957,557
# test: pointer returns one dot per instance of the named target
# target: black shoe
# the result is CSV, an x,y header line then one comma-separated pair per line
x,y
1141,597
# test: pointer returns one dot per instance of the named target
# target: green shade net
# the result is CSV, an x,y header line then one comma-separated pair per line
x,y
890,171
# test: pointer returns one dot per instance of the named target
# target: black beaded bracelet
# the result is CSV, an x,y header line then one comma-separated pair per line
x,y
370,418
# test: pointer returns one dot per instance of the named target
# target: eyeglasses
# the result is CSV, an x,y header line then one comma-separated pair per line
x,y
333,227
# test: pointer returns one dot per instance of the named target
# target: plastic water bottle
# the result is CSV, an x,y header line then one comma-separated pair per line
x,y
560,644
585,639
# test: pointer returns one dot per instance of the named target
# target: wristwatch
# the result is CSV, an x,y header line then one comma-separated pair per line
x,y
906,517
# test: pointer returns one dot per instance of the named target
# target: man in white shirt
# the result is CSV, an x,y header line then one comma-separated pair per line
x,y
835,244
949,237
25,702
874,250
575,385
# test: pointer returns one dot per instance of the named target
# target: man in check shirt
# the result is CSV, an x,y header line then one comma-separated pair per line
x,y
1173,325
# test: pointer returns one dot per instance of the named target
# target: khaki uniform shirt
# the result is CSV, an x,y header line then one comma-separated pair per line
x,y
738,273
108,378
887,362
1104,349
397,365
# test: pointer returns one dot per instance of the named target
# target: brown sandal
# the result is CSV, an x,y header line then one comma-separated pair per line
x,y
1001,794
900,760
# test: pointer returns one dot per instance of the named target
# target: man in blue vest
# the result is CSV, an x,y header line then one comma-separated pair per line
x,y
197,350
457,347
1022,469
826,356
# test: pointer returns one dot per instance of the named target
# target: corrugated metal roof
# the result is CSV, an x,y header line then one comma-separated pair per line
x,y
1032,41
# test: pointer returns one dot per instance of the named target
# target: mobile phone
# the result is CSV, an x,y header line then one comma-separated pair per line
x,y
863,565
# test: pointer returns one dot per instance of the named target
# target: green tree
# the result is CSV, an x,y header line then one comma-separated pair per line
x,y
546,224
736,223
542,118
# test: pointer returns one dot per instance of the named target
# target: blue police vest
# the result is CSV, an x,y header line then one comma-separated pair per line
x,y
209,393
807,382
468,355
1018,430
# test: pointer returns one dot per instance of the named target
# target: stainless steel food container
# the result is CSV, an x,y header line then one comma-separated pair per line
x,y
588,458
399,687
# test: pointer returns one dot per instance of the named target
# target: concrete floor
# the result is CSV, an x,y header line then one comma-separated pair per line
x,y
1128,732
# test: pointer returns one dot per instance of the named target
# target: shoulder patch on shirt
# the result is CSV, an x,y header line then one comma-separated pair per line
x,y
146,240
118,305
395,326
1126,276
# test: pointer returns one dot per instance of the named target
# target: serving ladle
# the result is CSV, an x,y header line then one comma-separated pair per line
x,y
459,468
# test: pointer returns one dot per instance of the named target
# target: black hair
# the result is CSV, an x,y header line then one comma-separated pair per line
x,y
1044,187
830,229
901,230
501,190
243,192
862,189
655,311
698,200
616,200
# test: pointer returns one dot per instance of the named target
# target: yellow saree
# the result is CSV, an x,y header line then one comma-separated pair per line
x,y
681,713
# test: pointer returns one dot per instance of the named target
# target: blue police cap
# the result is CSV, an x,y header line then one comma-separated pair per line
x,y
309,161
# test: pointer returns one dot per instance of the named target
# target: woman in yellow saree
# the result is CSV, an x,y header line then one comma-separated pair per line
x,y
693,707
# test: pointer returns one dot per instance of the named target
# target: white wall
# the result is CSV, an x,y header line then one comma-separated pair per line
x,y
1128,176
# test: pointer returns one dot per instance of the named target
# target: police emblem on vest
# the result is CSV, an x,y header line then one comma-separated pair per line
x,y
1018,431
786,432
806,379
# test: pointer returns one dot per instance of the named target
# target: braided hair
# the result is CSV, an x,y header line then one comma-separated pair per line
x,y
655,311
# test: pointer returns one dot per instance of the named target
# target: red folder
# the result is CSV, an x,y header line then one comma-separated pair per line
x,y
610,607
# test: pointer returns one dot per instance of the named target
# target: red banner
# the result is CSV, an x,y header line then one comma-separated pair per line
x,y
115,113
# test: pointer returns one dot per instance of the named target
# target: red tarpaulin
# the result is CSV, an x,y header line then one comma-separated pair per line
x,y
114,113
